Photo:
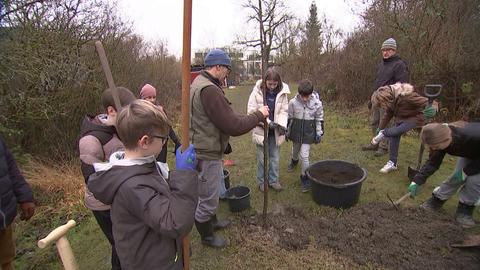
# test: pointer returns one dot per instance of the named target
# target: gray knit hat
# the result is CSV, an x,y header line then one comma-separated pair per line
x,y
389,44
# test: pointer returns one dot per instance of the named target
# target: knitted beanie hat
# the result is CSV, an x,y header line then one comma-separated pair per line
x,y
148,91
436,135
389,44
217,57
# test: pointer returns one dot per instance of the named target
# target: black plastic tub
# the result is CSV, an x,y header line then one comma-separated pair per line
x,y
336,183
226,178
238,198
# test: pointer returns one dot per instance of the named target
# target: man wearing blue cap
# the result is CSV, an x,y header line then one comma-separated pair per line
x,y
390,71
212,122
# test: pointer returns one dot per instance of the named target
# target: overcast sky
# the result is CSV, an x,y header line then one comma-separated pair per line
x,y
216,23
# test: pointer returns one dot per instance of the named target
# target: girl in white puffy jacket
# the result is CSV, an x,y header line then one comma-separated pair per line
x,y
277,102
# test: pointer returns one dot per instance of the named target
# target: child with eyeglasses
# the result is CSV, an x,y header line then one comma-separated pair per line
x,y
150,211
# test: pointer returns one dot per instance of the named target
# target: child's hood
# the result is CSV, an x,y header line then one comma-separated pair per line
x,y
95,123
108,178
313,101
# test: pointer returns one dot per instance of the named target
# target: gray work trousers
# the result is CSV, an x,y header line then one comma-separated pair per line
x,y
469,193
377,115
301,151
210,173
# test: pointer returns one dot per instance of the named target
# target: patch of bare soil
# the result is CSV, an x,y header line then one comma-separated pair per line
x,y
371,235
335,176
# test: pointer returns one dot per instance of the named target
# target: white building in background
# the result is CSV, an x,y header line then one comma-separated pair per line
x,y
246,63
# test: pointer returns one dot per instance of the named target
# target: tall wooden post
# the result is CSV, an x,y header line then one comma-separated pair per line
x,y
186,55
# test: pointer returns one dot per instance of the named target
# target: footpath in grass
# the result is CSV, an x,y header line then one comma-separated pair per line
x,y
345,132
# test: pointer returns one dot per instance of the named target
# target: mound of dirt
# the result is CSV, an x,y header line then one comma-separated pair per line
x,y
372,234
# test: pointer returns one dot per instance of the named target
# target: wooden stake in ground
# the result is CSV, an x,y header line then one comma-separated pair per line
x,y
265,126
187,29
63,246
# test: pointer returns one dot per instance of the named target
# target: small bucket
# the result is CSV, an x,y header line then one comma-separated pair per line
x,y
238,198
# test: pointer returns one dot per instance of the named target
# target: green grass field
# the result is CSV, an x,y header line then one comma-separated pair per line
x,y
345,132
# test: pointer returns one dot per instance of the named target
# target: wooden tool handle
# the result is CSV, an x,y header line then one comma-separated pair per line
x,y
402,198
108,74
56,234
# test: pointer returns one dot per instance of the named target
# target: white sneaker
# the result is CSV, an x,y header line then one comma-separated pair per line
x,y
376,140
390,166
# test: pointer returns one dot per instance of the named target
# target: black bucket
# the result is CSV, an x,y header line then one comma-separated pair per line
x,y
226,178
238,198
336,183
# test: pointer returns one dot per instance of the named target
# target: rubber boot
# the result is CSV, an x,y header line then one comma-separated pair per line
x,y
219,224
292,165
205,230
433,204
305,182
464,215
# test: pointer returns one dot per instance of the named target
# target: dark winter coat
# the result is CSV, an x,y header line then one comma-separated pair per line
x,y
13,187
465,143
391,71
162,157
149,215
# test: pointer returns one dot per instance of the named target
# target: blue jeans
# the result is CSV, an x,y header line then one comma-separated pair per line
x,y
273,161
394,134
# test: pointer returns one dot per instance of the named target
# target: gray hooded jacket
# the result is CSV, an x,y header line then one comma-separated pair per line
x,y
305,119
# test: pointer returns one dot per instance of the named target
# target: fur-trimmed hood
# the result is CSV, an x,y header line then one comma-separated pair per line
x,y
389,93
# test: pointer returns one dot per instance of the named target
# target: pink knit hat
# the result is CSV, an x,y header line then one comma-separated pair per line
x,y
148,91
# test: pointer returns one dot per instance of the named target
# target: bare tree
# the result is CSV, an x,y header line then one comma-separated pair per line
x,y
269,16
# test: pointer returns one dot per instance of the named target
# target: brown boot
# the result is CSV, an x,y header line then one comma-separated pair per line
x,y
369,147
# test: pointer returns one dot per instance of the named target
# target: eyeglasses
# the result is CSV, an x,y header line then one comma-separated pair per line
x,y
164,139
227,67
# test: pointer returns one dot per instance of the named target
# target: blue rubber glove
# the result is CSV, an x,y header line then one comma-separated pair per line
x,y
413,188
187,159
459,176
429,112
318,138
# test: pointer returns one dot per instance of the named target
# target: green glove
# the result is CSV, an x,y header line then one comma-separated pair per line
x,y
429,112
377,131
413,188
459,176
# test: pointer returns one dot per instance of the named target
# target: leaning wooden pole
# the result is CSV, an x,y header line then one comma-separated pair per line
x,y
108,74
186,54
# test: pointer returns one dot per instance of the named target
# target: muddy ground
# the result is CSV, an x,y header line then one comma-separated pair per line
x,y
370,235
